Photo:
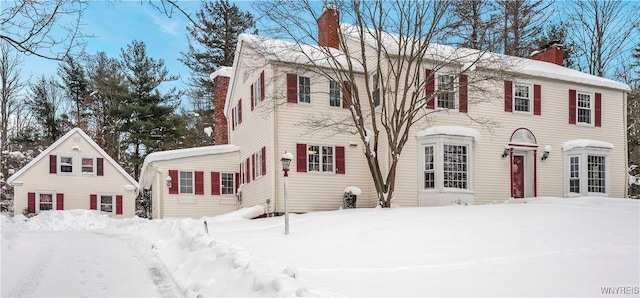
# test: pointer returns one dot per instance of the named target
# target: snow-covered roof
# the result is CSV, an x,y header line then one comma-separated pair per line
x,y
583,143
450,131
222,71
61,140
529,67
147,173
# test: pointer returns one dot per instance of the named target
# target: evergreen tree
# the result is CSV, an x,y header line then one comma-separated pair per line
x,y
559,32
474,24
147,117
45,103
521,23
633,124
74,82
212,43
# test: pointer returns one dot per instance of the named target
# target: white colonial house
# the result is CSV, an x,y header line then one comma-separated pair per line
x,y
560,132
74,173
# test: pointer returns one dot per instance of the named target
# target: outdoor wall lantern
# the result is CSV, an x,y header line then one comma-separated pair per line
x,y
505,152
545,154
286,163
168,179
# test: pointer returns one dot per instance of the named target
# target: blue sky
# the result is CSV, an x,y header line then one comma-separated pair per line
x,y
114,24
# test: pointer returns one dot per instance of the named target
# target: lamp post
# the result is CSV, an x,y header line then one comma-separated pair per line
x,y
286,162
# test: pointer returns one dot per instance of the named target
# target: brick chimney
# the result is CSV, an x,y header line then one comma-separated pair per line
x,y
328,27
552,52
220,80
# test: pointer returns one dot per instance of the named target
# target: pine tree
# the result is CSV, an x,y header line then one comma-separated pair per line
x,y
559,32
633,124
74,82
474,24
147,114
45,102
521,23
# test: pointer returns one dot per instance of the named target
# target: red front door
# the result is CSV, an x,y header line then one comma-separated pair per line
x,y
517,177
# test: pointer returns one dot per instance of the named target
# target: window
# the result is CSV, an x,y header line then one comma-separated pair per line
x,y
257,93
446,92
455,166
376,89
243,172
106,202
186,182
65,164
227,183
320,158
584,108
334,94
574,174
257,167
304,89
45,201
429,168
88,166
522,98
235,117
596,172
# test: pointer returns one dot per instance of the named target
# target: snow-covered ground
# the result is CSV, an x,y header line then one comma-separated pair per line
x,y
546,247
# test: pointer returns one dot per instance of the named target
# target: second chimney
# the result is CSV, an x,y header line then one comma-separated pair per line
x,y
220,80
552,52
328,27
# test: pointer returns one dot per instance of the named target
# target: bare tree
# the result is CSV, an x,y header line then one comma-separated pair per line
x,y
389,67
47,29
12,85
601,32
522,22
474,24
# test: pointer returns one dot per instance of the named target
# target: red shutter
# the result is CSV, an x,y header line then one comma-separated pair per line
x,y
253,166
430,89
247,173
340,162
239,110
53,167
463,101
237,184
174,182
199,185
508,96
31,202
301,157
60,201
252,98
572,106
215,183
346,95
537,100
264,161
598,120
262,86
292,88
100,166
118,204
93,202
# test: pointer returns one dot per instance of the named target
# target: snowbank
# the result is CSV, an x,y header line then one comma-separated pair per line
x,y
75,220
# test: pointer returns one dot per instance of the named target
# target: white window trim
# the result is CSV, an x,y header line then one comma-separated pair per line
x,y
243,172
54,199
513,98
193,183
456,93
257,167
257,96
233,184
438,142
236,116
95,166
375,86
300,93
59,165
113,202
320,171
583,153
339,94
592,104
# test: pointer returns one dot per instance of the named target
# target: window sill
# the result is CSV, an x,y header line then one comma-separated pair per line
x,y
584,124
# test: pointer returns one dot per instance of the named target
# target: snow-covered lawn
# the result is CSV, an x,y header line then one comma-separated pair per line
x,y
547,247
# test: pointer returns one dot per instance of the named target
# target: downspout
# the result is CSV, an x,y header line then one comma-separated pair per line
x,y
275,140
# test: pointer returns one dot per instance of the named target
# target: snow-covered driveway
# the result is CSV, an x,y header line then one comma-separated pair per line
x,y
83,264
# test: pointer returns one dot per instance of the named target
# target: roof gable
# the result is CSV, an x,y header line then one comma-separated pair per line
x,y
61,141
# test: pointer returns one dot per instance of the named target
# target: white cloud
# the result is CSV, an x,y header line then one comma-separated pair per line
x,y
165,24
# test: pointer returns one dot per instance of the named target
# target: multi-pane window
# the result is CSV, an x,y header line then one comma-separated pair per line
x,y
106,203
429,168
584,108
320,158
258,165
236,116
45,201
574,174
88,167
376,89
522,98
66,164
186,182
596,173
227,183
257,93
304,89
334,94
243,173
455,166
446,92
